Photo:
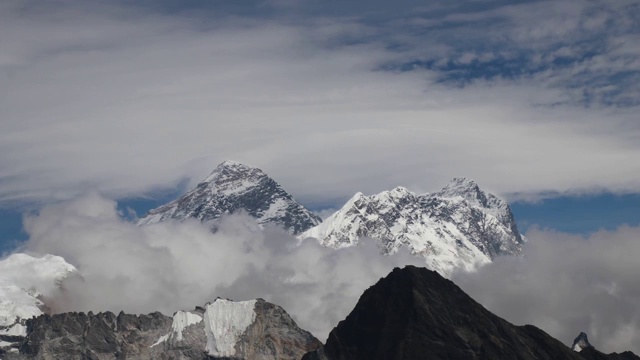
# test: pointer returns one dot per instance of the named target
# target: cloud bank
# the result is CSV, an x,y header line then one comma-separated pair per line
x,y
126,100
173,266
566,284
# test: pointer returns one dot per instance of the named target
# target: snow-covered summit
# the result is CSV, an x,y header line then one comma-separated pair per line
x,y
470,191
234,187
23,280
459,226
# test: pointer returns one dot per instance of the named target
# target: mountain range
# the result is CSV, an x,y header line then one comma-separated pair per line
x,y
413,313
234,187
460,226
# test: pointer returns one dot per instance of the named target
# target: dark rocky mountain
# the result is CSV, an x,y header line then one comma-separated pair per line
x,y
415,313
220,330
587,351
581,342
460,226
234,187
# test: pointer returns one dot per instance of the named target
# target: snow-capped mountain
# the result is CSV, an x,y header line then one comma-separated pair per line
x,y
234,187
458,226
23,279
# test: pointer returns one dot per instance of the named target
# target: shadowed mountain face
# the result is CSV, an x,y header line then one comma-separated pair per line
x,y
415,313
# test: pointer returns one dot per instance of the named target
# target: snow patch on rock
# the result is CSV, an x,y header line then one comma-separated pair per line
x,y
225,321
181,320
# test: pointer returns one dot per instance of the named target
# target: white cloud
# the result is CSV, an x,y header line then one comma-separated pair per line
x,y
566,284
172,266
125,102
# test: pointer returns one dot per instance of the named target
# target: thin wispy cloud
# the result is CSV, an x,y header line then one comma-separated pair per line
x,y
528,99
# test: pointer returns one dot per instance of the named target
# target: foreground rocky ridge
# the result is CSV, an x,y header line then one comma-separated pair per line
x,y
415,313
220,330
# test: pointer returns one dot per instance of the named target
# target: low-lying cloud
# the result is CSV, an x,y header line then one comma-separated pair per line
x,y
566,284
172,266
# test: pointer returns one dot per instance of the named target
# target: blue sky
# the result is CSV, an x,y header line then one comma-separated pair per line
x,y
529,98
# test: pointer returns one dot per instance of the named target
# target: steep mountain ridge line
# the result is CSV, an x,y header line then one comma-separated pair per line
x,y
415,313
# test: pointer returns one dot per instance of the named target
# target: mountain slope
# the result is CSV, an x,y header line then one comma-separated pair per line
x,y
222,329
234,187
459,226
415,313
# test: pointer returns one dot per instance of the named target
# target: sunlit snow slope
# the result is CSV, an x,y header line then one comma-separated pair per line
x,y
459,226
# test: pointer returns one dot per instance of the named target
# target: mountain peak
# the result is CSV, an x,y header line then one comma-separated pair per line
x,y
232,163
461,186
414,313
230,170
484,225
581,342
234,187
462,181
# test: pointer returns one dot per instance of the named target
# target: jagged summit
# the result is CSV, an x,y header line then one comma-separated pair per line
x,y
230,171
459,226
234,187
581,342
470,191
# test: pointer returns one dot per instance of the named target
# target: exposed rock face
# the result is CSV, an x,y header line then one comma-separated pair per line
x,y
415,313
92,336
581,342
234,187
223,329
459,226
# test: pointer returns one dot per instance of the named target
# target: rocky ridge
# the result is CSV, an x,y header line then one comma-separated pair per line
x,y
222,329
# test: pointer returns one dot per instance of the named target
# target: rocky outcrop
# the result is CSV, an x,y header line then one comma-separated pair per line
x,y
581,342
415,313
220,330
